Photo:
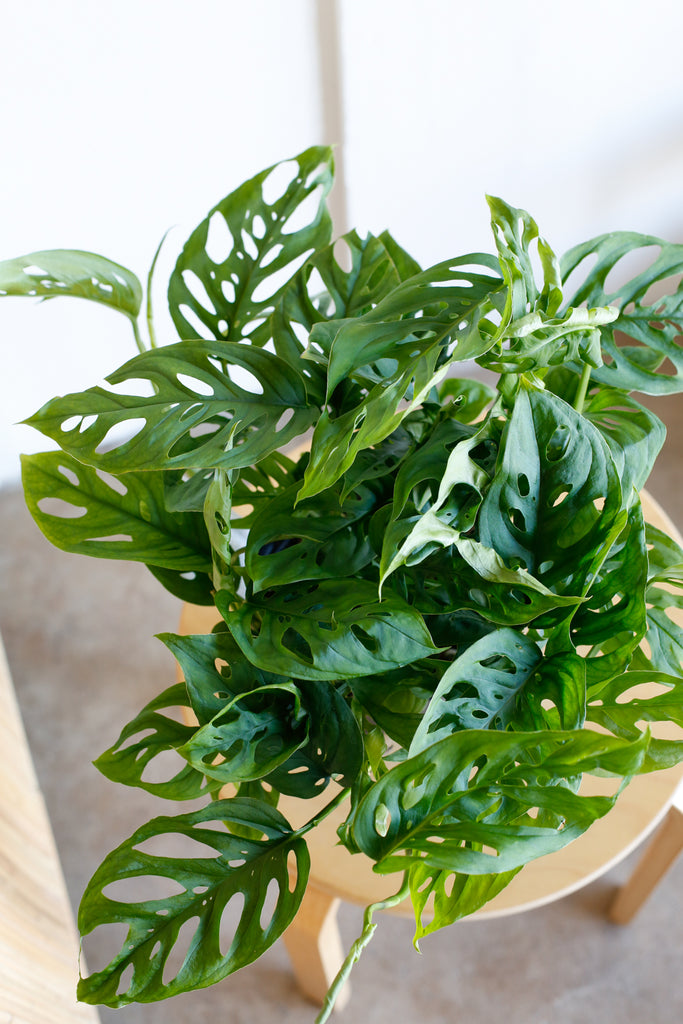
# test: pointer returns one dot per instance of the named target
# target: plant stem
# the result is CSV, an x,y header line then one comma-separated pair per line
x,y
582,388
321,815
138,340
354,954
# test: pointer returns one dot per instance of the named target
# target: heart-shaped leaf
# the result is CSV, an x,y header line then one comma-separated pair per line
x,y
197,416
235,265
242,870
501,682
83,275
86,511
331,629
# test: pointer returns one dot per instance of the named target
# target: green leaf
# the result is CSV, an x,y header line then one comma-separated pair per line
x,y
396,700
237,262
323,538
478,787
664,599
250,736
654,326
634,434
127,761
83,275
197,417
555,502
242,870
501,682
334,748
330,629
454,896
515,232
86,511
215,671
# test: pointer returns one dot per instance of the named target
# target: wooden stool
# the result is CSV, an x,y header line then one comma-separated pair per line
x,y
313,940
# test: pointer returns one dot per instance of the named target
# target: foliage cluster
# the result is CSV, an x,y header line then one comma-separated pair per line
x,y
436,612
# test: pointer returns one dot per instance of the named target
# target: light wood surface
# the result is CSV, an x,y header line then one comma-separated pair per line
x,y
38,944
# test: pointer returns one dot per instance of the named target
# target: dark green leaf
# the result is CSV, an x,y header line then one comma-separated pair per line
x,y
242,870
127,760
327,630
635,435
454,896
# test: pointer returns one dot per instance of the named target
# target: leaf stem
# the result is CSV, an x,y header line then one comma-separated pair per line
x,y
354,954
138,340
582,388
321,815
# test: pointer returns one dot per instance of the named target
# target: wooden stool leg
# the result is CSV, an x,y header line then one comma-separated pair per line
x,y
314,946
657,859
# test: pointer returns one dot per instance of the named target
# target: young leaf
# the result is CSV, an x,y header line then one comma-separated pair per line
x,y
329,629
454,895
235,265
83,275
197,417
83,510
241,870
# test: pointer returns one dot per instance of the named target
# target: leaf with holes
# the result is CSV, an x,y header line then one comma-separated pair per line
x,y
235,265
625,704
396,700
83,510
612,620
555,501
197,417
241,869
454,896
653,364
215,671
330,629
479,787
502,682
634,434
325,290
127,760
251,735
664,599
83,275
311,540
334,749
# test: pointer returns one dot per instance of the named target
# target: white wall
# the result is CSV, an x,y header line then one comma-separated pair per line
x,y
114,130
118,122
573,111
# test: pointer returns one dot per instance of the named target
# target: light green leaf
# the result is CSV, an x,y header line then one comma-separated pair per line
x,y
236,264
83,510
197,417
241,870
454,896
83,275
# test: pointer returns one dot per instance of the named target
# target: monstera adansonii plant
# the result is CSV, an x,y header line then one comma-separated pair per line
x,y
440,613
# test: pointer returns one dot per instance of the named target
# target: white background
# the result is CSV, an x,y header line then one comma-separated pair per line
x,y
118,122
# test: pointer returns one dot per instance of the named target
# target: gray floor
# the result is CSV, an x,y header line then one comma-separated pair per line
x,y
80,640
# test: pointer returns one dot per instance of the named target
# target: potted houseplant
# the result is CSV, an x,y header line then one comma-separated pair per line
x,y
428,609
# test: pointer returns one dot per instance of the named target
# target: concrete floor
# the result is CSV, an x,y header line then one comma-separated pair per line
x,y
80,640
